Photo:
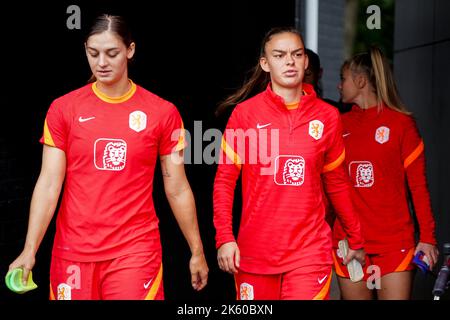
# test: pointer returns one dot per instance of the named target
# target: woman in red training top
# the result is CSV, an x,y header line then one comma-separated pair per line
x,y
385,158
103,141
283,250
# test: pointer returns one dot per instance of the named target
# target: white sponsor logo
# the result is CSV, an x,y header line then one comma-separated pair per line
x,y
64,292
293,173
81,119
110,154
260,126
137,121
246,291
322,280
382,135
316,129
363,173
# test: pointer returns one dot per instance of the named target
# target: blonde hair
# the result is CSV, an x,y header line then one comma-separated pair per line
x,y
375,67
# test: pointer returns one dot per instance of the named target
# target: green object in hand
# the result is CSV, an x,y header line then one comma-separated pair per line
x,y
14,282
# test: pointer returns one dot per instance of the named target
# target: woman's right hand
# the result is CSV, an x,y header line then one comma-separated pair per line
x,y
229,257
26,261
359,255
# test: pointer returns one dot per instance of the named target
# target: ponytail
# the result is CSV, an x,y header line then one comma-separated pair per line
x,y
386,88
257,82
377,70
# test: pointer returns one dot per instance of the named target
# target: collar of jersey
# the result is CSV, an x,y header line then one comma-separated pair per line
x,y
308,96
109,99
371,112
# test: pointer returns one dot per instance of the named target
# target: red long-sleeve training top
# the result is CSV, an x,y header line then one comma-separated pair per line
x,y
284,155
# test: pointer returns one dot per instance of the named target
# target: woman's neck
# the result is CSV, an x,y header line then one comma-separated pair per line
x,y
116,89
367,100
289,95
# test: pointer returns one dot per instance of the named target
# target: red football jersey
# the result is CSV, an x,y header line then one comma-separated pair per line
x,y
284,156
111,147
385,156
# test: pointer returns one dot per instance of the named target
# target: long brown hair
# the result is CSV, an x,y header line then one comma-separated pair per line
x,y
259,79
375,67
115,24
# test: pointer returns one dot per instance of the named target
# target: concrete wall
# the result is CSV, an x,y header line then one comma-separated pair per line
x,y
422,69
331,41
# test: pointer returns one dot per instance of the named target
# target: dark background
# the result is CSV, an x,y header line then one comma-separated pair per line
x,y
193,54
190,53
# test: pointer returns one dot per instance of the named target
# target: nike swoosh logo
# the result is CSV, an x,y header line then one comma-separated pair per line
x,y
345,134
81,119
321,280
146,285
260,126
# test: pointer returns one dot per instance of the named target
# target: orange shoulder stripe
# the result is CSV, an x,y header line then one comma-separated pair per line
x,y
333,165
413,156
233,156
181,139
48,136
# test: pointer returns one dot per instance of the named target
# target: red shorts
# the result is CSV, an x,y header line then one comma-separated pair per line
x,y
306,283
131,277
383,263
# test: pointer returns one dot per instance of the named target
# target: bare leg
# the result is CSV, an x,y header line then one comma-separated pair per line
x,y
396,286
354,290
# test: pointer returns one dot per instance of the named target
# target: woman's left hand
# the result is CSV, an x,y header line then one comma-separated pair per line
x,y
430,251
199,271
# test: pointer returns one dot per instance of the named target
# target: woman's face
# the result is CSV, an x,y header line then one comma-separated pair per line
x,y
108,57
285,59
347,87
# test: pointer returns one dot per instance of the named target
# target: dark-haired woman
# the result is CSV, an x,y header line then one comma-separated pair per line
x,y
285,142
103,141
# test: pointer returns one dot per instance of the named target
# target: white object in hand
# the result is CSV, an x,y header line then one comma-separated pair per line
x,y
354,267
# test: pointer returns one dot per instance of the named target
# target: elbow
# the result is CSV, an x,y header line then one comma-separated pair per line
x,y
175,193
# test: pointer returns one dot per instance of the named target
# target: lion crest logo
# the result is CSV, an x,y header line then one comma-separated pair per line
x,y
110,154
362,172
114,156
293,173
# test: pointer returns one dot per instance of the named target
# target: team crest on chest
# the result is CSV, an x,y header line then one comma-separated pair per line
x,y
246,291
289,170
363,174
382,135
137,121
316,129
110,154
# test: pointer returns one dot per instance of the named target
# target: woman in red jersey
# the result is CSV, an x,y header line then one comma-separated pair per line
x,y
286,142
103,141
386,161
